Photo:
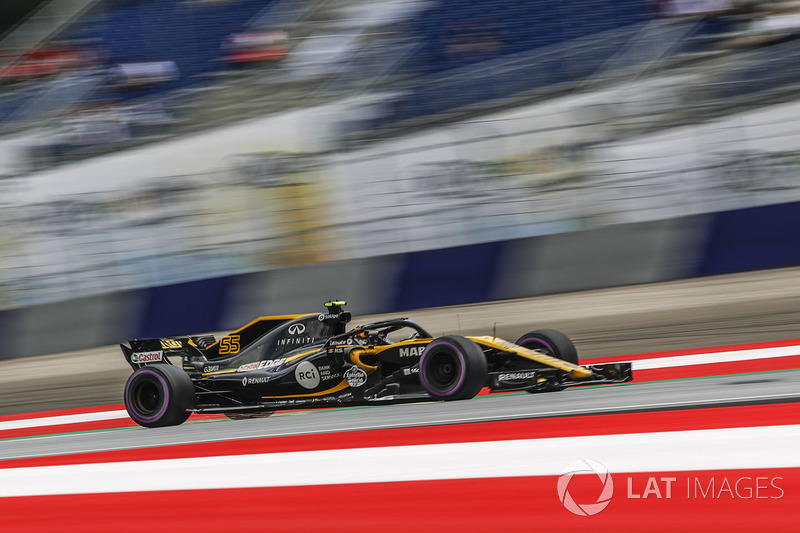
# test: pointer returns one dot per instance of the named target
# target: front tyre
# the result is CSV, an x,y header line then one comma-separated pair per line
x,y
159,395
452,368
551,342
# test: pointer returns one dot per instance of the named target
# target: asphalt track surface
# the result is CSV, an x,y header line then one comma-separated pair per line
x,y
632,397
695,313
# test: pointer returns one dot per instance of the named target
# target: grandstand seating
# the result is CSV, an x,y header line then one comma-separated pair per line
x,y
460,32
190,34
12,102
450,36
439,93
473,52
453,33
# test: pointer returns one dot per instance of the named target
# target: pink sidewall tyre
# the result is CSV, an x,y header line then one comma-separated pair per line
x,y
452,368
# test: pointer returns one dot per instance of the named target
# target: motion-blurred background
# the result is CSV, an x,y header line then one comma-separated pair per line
x,y
176,166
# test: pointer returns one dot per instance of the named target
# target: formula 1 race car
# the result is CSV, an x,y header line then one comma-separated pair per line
x,y
284,362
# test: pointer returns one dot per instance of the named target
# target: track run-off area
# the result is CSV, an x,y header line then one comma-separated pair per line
x,y
703,439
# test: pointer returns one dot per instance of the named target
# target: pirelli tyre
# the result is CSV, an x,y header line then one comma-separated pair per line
x,y
452,368
551,342
159,395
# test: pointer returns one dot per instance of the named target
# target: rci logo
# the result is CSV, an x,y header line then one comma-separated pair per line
x,y
297,329
307,374
585,466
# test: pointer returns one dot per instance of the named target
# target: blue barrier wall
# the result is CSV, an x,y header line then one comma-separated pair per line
x,y
175,309
451,276
726,242
753,239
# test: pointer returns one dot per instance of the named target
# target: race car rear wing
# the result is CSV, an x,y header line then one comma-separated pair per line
x,y
146,352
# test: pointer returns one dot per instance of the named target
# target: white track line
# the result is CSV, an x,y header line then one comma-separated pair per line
x,y
716,357
62,419
695,450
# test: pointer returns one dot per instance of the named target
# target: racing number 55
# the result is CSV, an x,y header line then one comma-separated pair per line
x,y
229,344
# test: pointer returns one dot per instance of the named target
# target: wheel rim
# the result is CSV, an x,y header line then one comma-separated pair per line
x,y
443,371
147,398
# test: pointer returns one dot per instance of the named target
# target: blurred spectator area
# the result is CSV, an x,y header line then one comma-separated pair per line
x,y
45,61
255,46
195,64
767,22
115,74
193,37
460,32
101,60
735,24
190,34
151,47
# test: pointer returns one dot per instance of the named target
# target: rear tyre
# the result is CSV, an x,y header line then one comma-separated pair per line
x,y
551,342
452,368
159,395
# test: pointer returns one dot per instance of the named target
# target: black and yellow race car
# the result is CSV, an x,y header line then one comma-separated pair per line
x,y
283,362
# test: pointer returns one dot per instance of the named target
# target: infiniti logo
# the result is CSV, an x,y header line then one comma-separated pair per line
x,y
297,329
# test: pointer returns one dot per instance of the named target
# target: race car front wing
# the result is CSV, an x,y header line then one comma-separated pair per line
x,y
548,379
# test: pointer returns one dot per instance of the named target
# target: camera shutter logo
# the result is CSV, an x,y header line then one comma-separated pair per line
x,y
585,466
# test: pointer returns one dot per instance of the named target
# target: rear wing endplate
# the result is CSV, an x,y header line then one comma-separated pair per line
x,y
144,352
